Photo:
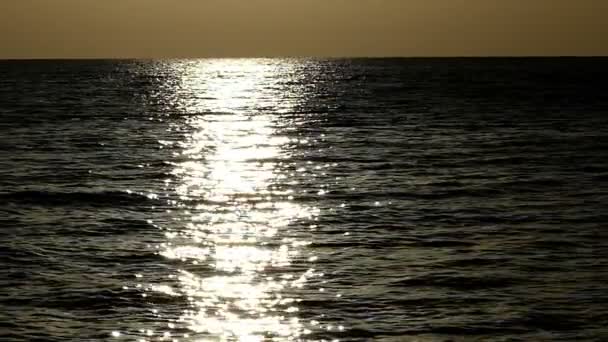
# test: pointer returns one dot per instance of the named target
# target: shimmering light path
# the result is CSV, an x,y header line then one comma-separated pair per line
x,y
234,208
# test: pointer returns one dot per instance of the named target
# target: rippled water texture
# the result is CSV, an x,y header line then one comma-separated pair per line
x,y
304,200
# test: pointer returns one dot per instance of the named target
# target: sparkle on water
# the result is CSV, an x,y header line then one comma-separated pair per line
x,y
229,165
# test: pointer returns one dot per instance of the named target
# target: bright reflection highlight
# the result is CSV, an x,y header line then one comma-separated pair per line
x,y
236,208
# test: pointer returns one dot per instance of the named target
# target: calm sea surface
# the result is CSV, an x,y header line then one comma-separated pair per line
x,y
304,200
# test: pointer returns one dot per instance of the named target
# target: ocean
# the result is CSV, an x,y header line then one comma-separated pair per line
x,y
447,199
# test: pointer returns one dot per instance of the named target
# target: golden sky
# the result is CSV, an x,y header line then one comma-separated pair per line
x,y
248,28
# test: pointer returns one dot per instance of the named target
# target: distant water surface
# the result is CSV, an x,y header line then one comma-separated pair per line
x,y
304,200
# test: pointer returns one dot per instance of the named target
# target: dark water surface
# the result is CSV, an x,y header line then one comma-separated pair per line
x,y
293,199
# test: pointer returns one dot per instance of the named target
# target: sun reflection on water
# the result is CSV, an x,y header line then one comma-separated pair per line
x,y
236,208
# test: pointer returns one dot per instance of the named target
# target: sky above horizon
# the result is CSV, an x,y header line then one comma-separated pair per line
x,y
254,28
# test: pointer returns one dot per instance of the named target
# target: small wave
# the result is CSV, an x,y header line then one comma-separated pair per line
x,y
443,184
537,184
429,302
444,243
549,321
479,329
93,199
594,169
601,178
439,332
107,227
130,225
474,262
457,282
434,195
556,244
361,244
97,300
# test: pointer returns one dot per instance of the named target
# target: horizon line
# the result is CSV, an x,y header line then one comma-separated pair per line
x,y
47,58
